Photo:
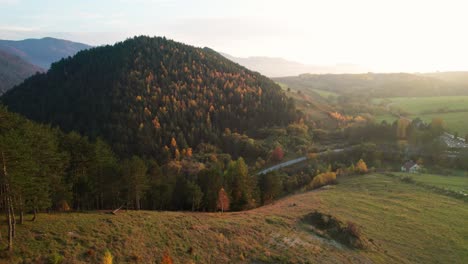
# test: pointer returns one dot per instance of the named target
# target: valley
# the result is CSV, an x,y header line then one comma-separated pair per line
x,y
151,150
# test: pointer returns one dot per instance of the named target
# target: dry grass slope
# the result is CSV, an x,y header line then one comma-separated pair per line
x,y
402,223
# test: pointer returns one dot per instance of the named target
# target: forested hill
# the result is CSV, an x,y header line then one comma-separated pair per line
x,y
152,97
13,70
42,52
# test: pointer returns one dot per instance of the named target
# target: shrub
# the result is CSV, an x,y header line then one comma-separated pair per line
x,y
55,258
312,156
90,252
323,179
361,167
107,259
353,229
297,129
166,259
407,179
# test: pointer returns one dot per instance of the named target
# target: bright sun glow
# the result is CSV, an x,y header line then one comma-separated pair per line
x,y
397,35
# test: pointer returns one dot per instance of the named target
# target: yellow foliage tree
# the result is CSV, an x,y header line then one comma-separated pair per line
x,y
323,179
361,167
107,259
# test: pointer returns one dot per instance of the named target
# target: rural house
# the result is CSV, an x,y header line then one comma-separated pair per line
x,y
410,167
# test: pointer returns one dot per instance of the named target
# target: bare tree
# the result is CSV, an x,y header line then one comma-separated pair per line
x,y
223,200
8,204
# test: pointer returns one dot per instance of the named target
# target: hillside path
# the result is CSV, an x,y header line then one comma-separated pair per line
x,y
295,161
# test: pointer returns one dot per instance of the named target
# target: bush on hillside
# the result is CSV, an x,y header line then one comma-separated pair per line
x,y
361,167
353,229
323,179
166,259
107,259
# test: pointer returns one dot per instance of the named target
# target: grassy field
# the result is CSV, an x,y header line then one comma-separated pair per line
x,y
387,117
426,108
409,223
454,183
418,105
403,223
325,94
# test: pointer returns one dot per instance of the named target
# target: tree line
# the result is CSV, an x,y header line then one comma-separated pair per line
x,y
45,169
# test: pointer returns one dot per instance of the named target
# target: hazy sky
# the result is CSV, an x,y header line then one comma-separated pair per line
x,y
393,35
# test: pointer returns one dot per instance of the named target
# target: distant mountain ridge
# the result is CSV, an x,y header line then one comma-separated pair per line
x,y
279,67
13,70
42,52
457,77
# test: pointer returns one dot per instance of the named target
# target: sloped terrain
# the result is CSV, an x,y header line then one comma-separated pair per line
x,y
42,52
144,94
400,222
14,70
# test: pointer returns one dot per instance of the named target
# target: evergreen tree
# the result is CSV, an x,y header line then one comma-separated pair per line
x,y
240,184
134,173
270,186
210,181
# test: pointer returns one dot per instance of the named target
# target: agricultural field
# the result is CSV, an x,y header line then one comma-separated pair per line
x,y
398,222
420,105
453,183
325,94
452,109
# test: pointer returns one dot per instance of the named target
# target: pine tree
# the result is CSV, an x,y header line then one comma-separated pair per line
x,y
270,186
135,174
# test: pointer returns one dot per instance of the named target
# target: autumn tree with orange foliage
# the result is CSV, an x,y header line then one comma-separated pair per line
x,y
361,167
189,153
166,259
312,156
223,201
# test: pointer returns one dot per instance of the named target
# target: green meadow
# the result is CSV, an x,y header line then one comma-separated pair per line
x,y
452,109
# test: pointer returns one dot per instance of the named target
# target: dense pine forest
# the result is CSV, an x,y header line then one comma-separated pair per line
x,y
152,97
